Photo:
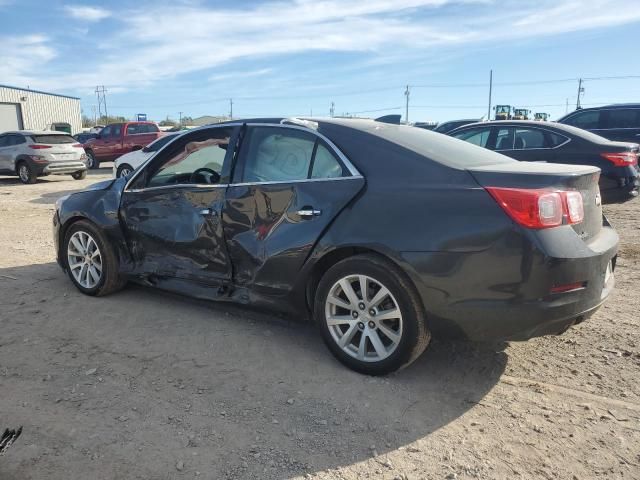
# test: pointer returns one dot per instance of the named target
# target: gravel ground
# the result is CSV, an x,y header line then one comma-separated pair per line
x,y
142,384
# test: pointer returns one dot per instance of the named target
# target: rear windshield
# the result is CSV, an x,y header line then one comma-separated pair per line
x,y
53,139
135,128
437,146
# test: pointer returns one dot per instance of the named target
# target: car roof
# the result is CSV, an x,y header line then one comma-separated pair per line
x,y
613,106
37,132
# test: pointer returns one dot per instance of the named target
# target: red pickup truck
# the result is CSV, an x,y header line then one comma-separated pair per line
x,y
119,138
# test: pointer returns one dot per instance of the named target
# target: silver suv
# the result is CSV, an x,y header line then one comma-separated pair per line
x,y
30,155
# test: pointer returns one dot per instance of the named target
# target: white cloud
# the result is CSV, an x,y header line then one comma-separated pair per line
x,y
22,57
184,38
87,13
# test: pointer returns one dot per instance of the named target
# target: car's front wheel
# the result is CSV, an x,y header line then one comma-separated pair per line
x,y
124,170
370,315
90,261
79,175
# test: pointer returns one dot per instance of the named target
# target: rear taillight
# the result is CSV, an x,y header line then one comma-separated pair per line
x,y
540,208
77,145
622,159
35,146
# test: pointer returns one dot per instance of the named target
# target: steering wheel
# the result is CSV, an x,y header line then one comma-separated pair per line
x,y
214,177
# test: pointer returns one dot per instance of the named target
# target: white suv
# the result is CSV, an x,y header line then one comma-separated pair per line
x,y
30,155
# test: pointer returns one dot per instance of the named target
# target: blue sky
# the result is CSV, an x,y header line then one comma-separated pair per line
x,y
278,57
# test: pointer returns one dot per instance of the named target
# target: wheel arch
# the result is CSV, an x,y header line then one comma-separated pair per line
x,y
324,263
19,159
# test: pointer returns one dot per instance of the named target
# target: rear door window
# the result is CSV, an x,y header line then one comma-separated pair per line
x,y
276,154
504,139
585,120
624,118
529,138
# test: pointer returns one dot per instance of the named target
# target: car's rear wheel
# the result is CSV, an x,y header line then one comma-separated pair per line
x,y
92,161
370,315
79,175
124,170
26,173
90,261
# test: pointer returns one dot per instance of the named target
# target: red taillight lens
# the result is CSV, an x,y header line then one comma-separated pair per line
x,y
539,208
35,146
77,145
622,159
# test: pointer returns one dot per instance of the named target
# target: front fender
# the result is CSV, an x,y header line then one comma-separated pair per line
x,y
99,204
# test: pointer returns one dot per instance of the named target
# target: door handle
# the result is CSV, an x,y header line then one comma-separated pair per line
x,y
208,211
309,212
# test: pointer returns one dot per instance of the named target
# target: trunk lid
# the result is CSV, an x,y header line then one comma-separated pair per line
x,y
553,176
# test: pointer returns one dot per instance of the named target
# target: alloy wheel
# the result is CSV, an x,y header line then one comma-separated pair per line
x,y
364,318
124,171
84,259
24,173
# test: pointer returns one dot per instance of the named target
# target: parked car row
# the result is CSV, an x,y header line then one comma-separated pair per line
x,y
385,235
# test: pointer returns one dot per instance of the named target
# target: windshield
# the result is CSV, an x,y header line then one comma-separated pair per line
x,y
53,139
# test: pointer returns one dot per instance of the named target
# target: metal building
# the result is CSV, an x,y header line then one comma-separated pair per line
x,y
25,109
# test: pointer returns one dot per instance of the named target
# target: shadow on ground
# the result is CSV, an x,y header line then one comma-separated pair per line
x,y
142,384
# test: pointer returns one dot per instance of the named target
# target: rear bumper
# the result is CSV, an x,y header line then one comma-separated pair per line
x,y
64,168
57,168
504,293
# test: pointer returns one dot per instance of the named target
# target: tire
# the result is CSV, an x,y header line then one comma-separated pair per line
x,y
79,175
408,333
124,169
26,173
109,280
92,162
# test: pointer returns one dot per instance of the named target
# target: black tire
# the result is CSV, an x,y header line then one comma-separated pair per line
x,y
414,337
123,167
26,173
110,280
79,175
92,162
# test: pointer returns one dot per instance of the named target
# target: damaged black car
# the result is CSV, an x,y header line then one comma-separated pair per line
x,y
385,235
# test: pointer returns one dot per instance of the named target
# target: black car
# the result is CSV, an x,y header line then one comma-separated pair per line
x,y
83,137
383,234
446,127
619,122
533,141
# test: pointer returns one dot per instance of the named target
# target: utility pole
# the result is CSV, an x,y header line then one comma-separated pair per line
x,y
180,116
332,110
231,109
566,108
580,92
406,111
101,93
490,89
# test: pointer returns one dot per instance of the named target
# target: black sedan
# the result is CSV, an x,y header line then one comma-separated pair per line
x,y
384,234
556,143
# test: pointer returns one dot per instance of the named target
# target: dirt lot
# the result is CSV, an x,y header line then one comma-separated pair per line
x,y
146,385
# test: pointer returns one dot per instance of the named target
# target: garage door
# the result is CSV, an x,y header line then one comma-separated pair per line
x,y
10,117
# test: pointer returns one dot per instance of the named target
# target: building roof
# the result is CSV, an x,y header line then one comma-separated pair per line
x,y
29,90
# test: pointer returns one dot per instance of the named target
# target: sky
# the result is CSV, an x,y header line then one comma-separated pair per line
x,y
293,58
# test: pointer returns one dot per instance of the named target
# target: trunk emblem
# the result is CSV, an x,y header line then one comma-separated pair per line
x,y
598,199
